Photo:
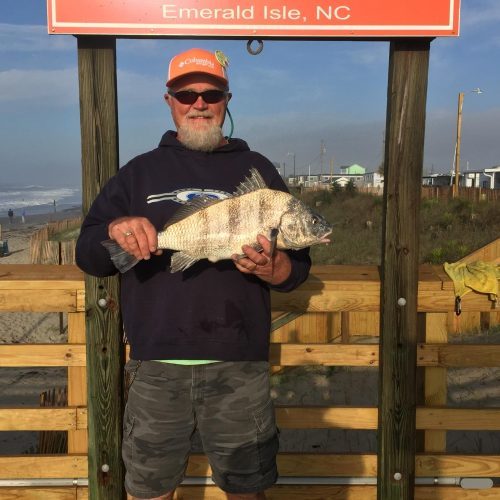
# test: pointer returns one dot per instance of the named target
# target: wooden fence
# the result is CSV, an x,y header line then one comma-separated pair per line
x,y
45,249
335,298
472,194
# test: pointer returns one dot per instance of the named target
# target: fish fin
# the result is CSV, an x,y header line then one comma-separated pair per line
x,y
252,183
180,261
195,205
273,239
122,260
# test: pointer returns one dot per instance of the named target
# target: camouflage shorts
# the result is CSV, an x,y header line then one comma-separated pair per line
x,y
227,402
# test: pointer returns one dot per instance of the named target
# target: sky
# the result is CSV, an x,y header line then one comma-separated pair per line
x,y
287,101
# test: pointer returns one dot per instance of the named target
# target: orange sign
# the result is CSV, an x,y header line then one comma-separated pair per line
x,y
256,18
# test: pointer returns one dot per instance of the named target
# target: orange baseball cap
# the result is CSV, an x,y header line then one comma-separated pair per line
x,y
198,61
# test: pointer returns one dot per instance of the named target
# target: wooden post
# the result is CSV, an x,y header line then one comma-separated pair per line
x,y
77,382
99,129
436,385
406,98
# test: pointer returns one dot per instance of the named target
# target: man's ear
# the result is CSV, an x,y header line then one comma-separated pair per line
x,y
167,99
229,95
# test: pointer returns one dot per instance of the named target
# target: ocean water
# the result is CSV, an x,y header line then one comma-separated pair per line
x,y
35,199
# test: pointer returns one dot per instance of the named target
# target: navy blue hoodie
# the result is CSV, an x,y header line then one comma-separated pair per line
x,y
211,310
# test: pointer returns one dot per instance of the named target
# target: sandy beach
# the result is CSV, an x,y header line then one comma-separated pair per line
x,y
349,386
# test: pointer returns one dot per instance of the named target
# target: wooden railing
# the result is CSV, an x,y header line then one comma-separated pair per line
x,y
334,297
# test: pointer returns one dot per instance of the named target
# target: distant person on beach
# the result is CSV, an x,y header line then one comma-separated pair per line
x,y
23,216
10,213
199,339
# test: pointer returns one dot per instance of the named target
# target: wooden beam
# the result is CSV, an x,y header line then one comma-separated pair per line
x,y
38,419
436,356
404,147
289,417
43,354
335,288
43,467
292,492
99,131
289,464
49,493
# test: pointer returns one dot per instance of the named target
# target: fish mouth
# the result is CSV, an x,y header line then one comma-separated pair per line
x,y
324,238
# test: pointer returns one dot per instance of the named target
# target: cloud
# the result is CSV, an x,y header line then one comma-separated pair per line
x,y
140,88
52,87
476,13
32,38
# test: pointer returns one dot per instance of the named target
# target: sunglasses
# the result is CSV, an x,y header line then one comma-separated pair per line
x,y
190,96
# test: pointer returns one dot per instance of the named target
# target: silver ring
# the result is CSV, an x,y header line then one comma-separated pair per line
x,y
128,233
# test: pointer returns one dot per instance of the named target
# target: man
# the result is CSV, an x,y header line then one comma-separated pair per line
x,y
199,339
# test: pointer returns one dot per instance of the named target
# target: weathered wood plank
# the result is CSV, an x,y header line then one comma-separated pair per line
x,y
326,418
458,355
99,131
43,466
316,492
404,148
38,300
77,383
435,386
437,356
43,354
485,419
457,465
343,288
323,354
38,419
290,417
275,493
38,493
289,464
365,465
40,276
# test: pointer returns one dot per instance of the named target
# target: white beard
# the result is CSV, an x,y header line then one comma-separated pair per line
x,y
204,139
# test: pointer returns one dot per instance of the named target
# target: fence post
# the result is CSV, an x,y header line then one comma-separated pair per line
x,y
77,382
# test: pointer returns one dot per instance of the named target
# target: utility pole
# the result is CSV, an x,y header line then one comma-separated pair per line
x,y
321,155
294,178
459,139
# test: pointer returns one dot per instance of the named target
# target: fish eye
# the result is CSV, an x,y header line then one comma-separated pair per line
x,y
314,219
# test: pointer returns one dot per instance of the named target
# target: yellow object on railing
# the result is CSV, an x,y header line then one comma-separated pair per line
x,y
479,276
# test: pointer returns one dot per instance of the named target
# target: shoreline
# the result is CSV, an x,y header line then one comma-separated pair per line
x,y
40,218
17,234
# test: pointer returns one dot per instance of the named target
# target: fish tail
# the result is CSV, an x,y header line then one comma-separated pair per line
x,y
122,260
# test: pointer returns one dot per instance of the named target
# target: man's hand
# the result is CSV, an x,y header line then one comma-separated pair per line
x,y
272,269
136,235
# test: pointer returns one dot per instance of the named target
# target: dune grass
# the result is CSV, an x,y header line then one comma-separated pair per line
x,y
449,230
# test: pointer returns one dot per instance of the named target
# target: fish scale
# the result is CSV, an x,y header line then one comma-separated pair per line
x,y
208,232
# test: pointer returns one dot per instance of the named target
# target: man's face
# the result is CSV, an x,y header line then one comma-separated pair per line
x,y
199,124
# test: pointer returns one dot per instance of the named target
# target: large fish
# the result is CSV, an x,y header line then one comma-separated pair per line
x,y
217,229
